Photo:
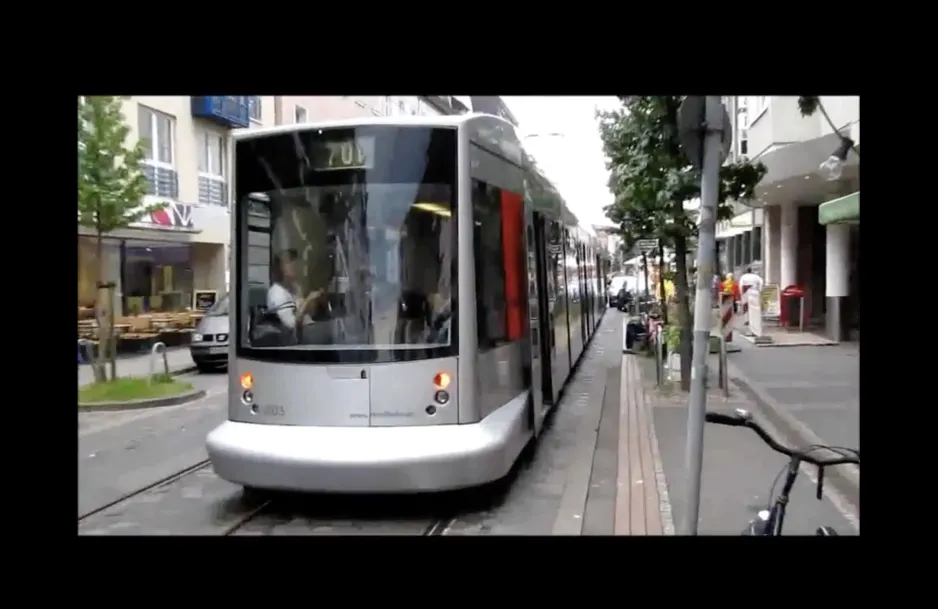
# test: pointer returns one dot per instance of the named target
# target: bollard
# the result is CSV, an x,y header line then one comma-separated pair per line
x,y
158,348
724,369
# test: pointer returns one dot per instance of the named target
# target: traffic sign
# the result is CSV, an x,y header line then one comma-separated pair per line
x,y
690,126
646,245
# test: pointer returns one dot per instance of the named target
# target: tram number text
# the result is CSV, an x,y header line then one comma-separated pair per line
x,y
346,155
273,410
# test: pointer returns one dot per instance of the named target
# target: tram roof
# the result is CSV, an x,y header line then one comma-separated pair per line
x,y
399,121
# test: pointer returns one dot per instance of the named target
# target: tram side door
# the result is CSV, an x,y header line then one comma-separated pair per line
x,y
537,255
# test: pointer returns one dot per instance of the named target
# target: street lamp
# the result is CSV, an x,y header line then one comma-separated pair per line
x,y
833,167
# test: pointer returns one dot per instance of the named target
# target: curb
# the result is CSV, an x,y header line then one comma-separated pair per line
x,y
175,400
844,478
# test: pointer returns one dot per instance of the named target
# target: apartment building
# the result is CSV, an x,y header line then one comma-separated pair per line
x,y
803,229
160,261
301,109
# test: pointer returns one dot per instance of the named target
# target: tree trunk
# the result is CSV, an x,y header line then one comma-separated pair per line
x,y
102,315
661,291
683,303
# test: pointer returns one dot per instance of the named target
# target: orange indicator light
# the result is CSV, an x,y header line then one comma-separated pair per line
x,y
247,380
441,380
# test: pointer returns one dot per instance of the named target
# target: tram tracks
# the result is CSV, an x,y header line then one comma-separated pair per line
x,y
138,512
131,495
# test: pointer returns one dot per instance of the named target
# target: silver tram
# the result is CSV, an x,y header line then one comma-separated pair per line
x,y
409,297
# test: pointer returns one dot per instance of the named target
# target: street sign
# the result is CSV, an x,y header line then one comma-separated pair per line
x,y
646,245
690,126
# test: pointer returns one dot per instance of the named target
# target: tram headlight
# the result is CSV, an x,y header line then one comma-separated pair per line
x,y
441,397
247,397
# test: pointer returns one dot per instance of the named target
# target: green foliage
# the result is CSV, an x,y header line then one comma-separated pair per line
x,y
111,184
808,104
651,177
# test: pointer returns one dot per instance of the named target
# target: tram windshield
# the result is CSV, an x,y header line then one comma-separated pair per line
x,y
352,257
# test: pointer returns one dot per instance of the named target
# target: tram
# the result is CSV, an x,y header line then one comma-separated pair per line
x,y
409,296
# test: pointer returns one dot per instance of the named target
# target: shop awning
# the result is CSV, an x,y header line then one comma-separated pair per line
x,y
842,210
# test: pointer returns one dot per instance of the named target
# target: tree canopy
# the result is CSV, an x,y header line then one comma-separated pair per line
x,y
652,178
111,184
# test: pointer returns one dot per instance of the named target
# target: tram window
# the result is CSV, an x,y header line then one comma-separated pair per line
x,y
491,322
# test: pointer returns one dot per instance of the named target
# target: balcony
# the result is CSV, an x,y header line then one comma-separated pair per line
x,y
226,110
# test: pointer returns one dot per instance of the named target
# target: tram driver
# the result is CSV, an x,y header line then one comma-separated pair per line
x,y
283,298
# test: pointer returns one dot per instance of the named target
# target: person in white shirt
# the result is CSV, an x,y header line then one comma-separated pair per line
x,y
748,281
751,280
283,298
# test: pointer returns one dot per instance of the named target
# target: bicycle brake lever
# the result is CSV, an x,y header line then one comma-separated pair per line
x,y
820,482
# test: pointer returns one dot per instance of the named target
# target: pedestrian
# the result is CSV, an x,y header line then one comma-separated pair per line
x,y
730,288
749,281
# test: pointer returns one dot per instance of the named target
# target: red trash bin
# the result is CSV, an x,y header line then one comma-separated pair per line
x,y
791,304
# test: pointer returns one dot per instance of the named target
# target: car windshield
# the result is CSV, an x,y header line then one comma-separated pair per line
x,y
219,309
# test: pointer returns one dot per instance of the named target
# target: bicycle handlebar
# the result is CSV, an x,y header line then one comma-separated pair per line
x,y
744,419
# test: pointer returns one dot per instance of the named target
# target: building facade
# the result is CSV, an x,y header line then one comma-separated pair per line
x,y
160,261
802,229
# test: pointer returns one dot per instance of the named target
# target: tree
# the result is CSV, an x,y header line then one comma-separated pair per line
x,y
111,187
652,179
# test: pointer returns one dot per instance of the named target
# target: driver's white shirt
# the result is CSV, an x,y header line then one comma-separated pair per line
x,y
284,303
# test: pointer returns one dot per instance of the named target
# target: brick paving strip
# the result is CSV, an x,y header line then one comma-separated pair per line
x,y
642,504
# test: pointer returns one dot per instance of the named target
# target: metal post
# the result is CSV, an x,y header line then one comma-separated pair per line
x,y
801,314
724,370
709,192
158,348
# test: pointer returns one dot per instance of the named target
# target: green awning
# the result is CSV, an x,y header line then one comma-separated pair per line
x,y
842,210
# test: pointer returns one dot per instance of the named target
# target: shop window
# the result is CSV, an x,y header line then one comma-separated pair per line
x,y
157,277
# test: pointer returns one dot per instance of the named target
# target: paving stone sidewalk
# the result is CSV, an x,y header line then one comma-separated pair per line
x,y
738,468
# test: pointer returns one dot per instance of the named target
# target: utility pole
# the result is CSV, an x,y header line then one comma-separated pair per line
x,y
706,133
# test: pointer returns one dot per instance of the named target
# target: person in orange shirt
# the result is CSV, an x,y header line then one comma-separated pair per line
x,y
731,286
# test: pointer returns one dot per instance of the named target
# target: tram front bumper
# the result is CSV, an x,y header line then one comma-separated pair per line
x,y
369,459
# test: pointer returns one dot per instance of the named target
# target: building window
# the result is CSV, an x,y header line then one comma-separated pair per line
x,y
743,141
254,106
157,131
213,188
156,276
299,114
757,243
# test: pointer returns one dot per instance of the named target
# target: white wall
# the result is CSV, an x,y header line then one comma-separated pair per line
x,y
779,124
322,107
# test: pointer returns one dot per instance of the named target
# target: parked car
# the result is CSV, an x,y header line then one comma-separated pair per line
x,y
209,345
